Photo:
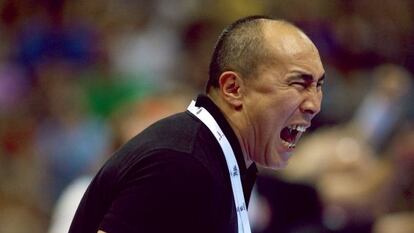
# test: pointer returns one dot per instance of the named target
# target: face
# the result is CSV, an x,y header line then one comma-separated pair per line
x,y
279,104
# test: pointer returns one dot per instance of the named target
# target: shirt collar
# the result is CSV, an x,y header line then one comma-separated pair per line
x,y
205,102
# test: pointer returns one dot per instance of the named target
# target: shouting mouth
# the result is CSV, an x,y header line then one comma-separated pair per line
x,y
290,135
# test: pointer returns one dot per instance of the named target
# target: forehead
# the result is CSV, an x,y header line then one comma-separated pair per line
x,y
292,49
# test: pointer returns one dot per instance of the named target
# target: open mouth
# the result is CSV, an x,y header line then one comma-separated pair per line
x,y
290,135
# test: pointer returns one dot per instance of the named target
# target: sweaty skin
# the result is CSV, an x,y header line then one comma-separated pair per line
x,y
286,91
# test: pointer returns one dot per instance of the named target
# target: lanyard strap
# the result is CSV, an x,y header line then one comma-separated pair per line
x,y
241,208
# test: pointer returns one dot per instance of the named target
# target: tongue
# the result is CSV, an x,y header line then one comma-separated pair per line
x,y
287,135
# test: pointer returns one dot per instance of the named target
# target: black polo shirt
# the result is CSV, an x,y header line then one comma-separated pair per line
x,y
172,177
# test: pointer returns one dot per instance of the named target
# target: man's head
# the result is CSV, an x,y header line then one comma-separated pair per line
x,y
266,77
239,48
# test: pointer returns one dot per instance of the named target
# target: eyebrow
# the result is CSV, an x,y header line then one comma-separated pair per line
x,y
309,78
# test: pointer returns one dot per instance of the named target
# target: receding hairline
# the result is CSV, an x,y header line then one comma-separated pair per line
x,y
258,39
274,31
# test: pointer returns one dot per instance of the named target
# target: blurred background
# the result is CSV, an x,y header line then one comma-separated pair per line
x,y
79,78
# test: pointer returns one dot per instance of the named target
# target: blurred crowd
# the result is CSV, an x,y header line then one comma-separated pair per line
x,y
79,78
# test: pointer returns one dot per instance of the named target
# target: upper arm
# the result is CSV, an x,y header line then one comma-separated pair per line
x,y
168,190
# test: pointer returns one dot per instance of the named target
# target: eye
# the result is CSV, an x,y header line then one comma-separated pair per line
x,y
319,85
301,84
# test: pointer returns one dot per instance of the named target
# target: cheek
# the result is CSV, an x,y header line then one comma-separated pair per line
x,y
269,123
273,115
293,101
284,108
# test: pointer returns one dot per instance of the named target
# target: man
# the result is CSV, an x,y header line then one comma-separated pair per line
x,y
194,171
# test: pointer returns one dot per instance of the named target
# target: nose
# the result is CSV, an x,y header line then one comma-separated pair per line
x,y
311,105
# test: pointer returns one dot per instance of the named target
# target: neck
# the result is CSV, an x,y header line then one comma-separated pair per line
x,y
231,116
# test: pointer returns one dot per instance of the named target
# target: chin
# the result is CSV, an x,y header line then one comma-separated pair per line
x,y
278,161
285,156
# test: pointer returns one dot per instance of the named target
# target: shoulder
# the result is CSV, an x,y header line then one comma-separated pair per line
x,y
160,165
167,163
176,146
180,136
176,132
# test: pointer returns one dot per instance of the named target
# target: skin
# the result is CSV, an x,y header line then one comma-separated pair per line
x,y
285,91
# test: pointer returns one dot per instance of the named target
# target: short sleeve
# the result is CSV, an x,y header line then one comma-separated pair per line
x,y
167,191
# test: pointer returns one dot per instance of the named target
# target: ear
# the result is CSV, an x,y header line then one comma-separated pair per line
x,y
231,88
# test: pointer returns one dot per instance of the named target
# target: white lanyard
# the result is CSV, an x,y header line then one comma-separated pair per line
x,y
241,208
